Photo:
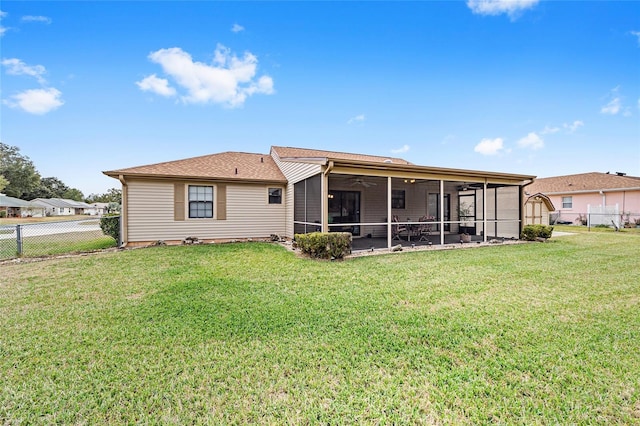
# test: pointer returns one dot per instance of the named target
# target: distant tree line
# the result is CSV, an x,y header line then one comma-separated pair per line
x,y
19,178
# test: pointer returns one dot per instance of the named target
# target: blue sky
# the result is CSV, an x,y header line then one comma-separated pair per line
x,y
525,86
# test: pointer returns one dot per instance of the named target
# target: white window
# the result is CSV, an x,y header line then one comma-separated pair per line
x,y
567,202
200,201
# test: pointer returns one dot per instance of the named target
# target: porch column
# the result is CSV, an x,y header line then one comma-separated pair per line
x,y
441,212
324,203
484,211
389,212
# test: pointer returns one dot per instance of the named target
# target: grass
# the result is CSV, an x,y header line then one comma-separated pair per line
x,y
248,333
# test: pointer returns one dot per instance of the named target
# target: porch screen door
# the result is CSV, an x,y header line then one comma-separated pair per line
x,y
344,207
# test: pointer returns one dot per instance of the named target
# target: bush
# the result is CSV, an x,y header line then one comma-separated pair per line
x,y
533,232
3,214
323,245
110,225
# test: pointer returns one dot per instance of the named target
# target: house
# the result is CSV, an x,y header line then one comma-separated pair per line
x,y
235,195
62,206
537,208
97,209
596,198
15,207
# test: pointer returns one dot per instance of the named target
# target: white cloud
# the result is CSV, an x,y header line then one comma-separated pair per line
x,y
30,18
637,34
513,8
549,130
237,28
613,107
572,127
17,67
3,29
404,148
156,85
357,119
532,141
228,81
489,146
36,101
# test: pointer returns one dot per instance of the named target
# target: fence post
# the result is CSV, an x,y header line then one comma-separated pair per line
x,y
19,239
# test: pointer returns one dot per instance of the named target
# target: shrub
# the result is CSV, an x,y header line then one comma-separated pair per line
x,y
323,245
110,225
3,214
532,232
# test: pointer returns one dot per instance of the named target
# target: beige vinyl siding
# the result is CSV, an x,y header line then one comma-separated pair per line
x,y
294,172
248,214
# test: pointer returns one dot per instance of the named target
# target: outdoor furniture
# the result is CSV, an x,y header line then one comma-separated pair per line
x,y
424,229
397,229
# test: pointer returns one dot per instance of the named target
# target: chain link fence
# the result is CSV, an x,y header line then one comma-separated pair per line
x,y
51,238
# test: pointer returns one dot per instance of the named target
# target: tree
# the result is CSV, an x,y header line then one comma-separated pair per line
x,y
73,194
113,195
18,170
3,183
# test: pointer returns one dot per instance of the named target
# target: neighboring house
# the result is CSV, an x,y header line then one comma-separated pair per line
x,y
64,206
98,209
591,195
55,206
234,195
537,208
15,207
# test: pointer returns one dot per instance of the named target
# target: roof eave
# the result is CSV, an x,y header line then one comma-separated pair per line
x,y
588,191
116,175
431,170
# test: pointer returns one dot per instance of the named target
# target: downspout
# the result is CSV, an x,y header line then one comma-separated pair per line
x,y
124,217
325,197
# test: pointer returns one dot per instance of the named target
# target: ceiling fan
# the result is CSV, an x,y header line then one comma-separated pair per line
x,y
360,181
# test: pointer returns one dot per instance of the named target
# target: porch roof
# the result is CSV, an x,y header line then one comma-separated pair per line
x,y
424,172
347,163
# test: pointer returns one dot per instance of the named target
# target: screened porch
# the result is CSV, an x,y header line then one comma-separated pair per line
x,y
414,209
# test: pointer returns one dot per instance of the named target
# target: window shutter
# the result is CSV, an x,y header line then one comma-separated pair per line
x,y
221,202
178,201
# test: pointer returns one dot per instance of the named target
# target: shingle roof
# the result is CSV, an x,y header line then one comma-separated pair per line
x,y
226,165
289,152
593,181
6,201
55,202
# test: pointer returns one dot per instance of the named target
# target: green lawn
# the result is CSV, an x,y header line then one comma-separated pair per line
x,y
248,333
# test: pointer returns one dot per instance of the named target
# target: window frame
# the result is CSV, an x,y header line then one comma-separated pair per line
x,y
190,216
269,196
398,199
567,204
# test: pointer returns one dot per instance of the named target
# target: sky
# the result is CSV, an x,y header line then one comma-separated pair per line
x,y
543,88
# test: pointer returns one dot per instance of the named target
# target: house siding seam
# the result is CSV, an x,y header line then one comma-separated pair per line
x,y
151,216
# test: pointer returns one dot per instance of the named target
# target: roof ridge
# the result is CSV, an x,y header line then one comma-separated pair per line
x,y
341,152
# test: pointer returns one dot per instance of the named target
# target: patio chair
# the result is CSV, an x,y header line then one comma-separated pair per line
x,y
397,229
424,229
